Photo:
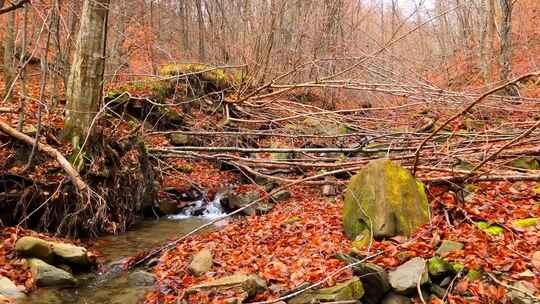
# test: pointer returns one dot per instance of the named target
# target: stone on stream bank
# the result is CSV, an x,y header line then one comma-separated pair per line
x,y
386,199
48,275
52,252
250,284
9,289
29,246
235,201
141,278
348,290
201,263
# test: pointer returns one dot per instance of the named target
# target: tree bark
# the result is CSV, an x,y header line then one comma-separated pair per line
x,y
506,48
85,84
9,54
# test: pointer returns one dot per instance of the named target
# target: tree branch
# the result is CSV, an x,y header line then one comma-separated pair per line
x,y
13,6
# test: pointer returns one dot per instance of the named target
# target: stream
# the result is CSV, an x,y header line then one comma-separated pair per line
x,y
114,288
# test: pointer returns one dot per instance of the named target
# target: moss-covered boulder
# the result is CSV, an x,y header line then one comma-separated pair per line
x,y
220,78
33,247
385,199
346,291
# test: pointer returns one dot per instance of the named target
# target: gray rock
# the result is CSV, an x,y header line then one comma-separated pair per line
x,y
33,247
237,201
375,281
251,284
345,291
48,275
385,198
447,246
71,254
394,298
405,278
280,195
201,263
9,289
141,278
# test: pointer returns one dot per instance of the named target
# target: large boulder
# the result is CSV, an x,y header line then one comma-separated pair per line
x,y
71,254
201,263
386,199
405,278
33,247
9,289
346,291
48,275
250,284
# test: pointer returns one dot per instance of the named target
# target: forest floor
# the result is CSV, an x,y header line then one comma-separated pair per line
x,y
297,241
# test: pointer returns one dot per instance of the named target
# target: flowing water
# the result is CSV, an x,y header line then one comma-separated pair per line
x,y
114,288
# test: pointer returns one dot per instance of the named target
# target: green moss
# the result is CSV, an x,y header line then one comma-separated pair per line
x,y
474,275
490,229
218,76
438,266
526,223
537,189
362,240
456,267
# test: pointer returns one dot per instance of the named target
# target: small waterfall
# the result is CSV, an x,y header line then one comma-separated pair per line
x,y
212,210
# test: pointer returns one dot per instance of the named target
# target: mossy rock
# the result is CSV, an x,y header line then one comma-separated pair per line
x,y
438,266
448,246
220,78
385,199
348,290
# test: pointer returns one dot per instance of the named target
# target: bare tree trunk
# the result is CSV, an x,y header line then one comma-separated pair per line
x,y
200,22
85,85
506,51
9,53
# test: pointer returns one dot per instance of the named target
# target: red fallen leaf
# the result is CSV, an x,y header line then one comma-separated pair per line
x,y
536,260
462,286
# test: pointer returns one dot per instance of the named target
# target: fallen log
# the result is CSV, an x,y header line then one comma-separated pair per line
x,y
66,165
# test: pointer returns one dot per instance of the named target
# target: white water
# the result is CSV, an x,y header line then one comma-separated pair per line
x,y
213,210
